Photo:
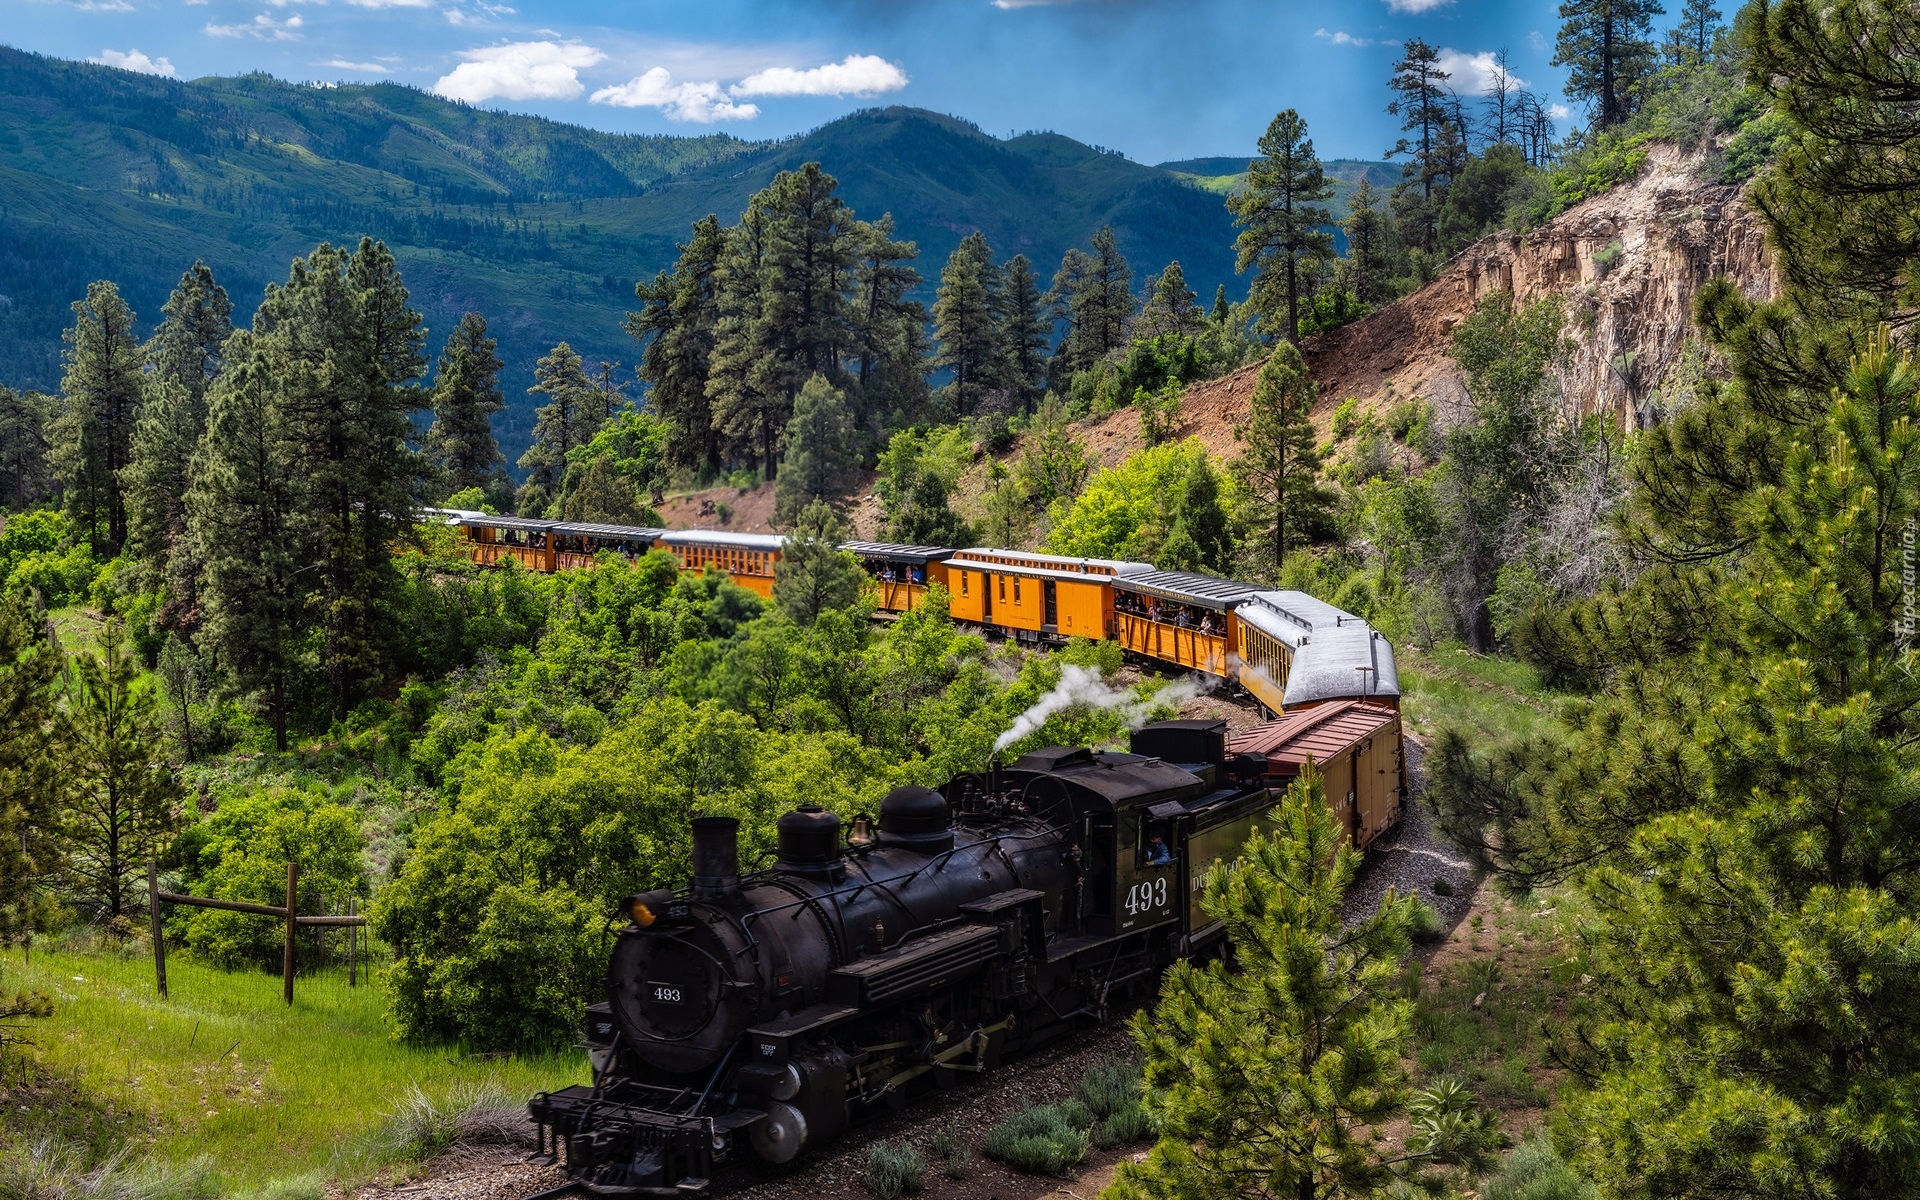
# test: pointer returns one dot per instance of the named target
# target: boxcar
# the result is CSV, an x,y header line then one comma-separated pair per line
x,y
1358,748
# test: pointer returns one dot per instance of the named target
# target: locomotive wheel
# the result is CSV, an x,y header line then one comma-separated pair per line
x,y
779,1137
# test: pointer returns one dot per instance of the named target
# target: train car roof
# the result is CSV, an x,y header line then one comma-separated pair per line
x,y
1056,562
634,533
893,553
1320,732
1337,662
720,537
453,516
1187,587
1293,616
1115,778
486,521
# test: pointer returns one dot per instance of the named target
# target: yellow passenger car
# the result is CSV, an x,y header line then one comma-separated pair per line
x,y
748,558
1035,596
899,576
1181,618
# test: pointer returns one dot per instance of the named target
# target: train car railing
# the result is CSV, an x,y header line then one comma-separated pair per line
x,y
1184,646
895,595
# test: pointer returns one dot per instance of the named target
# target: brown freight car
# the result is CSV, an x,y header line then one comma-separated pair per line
x,y
1357,747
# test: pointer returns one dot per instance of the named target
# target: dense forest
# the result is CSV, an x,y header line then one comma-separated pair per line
x,y
227,643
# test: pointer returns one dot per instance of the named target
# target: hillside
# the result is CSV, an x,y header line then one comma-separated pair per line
x,y
542,226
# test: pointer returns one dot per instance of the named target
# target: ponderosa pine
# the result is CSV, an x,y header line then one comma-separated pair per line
x,y
1283,224
466,394
100,404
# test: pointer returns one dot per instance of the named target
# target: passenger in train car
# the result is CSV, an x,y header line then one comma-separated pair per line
x,y
916,575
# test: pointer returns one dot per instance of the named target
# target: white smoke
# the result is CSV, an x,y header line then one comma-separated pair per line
x,y
1084,687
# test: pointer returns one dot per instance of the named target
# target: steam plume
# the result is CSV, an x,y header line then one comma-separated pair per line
x,y
1084,686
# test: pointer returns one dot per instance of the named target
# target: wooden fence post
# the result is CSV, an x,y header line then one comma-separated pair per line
x,y
353,945
286,967
153,917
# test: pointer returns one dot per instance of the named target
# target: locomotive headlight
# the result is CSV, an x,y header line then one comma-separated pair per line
x,y
641,914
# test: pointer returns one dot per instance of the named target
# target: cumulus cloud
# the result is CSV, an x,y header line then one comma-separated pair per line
x,y
854,75
1341,37
1416,6
263,27
1559,112
1475,73
1536,40
700,102
103,5
519,71
134,60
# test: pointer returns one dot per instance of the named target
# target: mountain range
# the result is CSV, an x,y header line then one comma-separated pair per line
x,y
542,226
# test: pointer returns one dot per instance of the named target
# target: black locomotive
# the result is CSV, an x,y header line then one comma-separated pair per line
x,y
762,1011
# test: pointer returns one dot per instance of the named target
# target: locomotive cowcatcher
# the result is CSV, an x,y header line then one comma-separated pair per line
x,y
757,1013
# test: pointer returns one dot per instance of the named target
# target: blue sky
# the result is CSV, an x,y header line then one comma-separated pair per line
x,y
1155,79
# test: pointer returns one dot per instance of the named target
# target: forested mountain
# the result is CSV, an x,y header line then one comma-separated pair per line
x,y
543,226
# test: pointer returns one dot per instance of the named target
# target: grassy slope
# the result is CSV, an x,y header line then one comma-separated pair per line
x,y
224,1069
544,227
1493,697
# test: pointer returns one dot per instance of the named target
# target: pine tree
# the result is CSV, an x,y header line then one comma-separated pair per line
x,y
466,394
1009,511
1699,26
122,796
1053,463
564,421
1103,308
100,395
1606,50
963,324
29,851
814,574
1261,1079
748,407
1201,538
1170,307
26,465
1282,223
1025,332
184,356
247,530
1223,311
1368,233
880,310
819,466
676,324
1281,464
1420,103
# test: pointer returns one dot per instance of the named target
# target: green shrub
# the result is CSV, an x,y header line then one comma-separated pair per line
x,y
894,1169
1345,418
1533,1171
1427,927
1048,1139
421,1127
950,1151
1129,1124
1108,1086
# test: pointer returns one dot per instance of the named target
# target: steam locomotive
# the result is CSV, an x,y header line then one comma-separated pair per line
x,y
756,1014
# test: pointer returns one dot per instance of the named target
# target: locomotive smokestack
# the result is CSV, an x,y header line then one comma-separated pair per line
x,y
716,859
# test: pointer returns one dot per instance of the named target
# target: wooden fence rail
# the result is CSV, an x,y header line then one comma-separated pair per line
x,y
289,913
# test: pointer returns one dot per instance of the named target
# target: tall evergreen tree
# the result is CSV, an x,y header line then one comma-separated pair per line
x,y
100,394
676,323
122,796
343,349
1699,26
1262,1078
566,420
1419,100
1282,222
1201,538
747,408
26,465
819,466
183,358
1103,308
1605,47
963,323
247,527
1170,307
1369,234
466,394
1025,332
879,311
1280,466
814,574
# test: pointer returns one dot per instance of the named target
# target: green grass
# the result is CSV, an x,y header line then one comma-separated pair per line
x,y
1496,698
225,1070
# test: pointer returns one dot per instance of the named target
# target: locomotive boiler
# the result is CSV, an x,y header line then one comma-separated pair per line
x,y
755,1014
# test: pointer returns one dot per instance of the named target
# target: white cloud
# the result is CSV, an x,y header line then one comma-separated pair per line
x,y
103,5
701,102
855,75
1559,112
1537,40
1474,73
519,71
391,3
263,27
1416,6
134,60
1341,37
455,17
342,64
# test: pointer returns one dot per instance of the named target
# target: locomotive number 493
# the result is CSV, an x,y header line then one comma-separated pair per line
x,y
665,993
1147,897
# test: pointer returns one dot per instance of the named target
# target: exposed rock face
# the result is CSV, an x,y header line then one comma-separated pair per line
x,y
1628,264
